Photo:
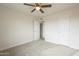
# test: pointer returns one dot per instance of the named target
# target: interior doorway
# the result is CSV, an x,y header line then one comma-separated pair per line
x,y
42,30
38,30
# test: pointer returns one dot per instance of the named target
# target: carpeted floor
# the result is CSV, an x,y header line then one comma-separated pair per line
x,y
40,48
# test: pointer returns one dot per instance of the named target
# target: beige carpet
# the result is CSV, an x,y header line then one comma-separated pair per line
x,y
41,48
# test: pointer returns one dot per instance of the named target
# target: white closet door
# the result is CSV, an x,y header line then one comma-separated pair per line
x,y
36,31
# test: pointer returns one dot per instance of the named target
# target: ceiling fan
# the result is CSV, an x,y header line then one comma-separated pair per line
x,y
38,6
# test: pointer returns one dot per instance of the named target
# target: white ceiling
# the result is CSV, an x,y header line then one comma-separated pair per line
x,y
26,9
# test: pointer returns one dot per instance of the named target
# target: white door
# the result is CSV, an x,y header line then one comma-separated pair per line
x,y
36,29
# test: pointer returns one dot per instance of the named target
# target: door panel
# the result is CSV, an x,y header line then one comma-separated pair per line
x,y
36,30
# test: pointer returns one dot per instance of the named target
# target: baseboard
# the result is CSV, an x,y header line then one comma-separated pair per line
x,y
65,44
11,46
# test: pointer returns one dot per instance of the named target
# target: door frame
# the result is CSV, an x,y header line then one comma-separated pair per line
x,y
43,30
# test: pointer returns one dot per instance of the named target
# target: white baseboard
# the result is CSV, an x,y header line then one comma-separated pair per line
x,y
5,48
65,44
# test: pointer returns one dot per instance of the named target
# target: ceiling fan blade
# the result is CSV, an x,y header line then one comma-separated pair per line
x,y
41,11
33,10
44,6
28,4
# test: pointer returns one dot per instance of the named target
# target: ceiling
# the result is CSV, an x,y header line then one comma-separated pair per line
x,y
26,9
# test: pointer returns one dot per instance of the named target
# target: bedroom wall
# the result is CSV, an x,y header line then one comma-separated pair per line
x,y
63,27
15,28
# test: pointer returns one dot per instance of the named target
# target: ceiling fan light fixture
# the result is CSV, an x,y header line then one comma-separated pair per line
x,y
37,8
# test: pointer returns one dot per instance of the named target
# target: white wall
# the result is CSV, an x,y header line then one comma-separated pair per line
x,y
15,28
63,27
